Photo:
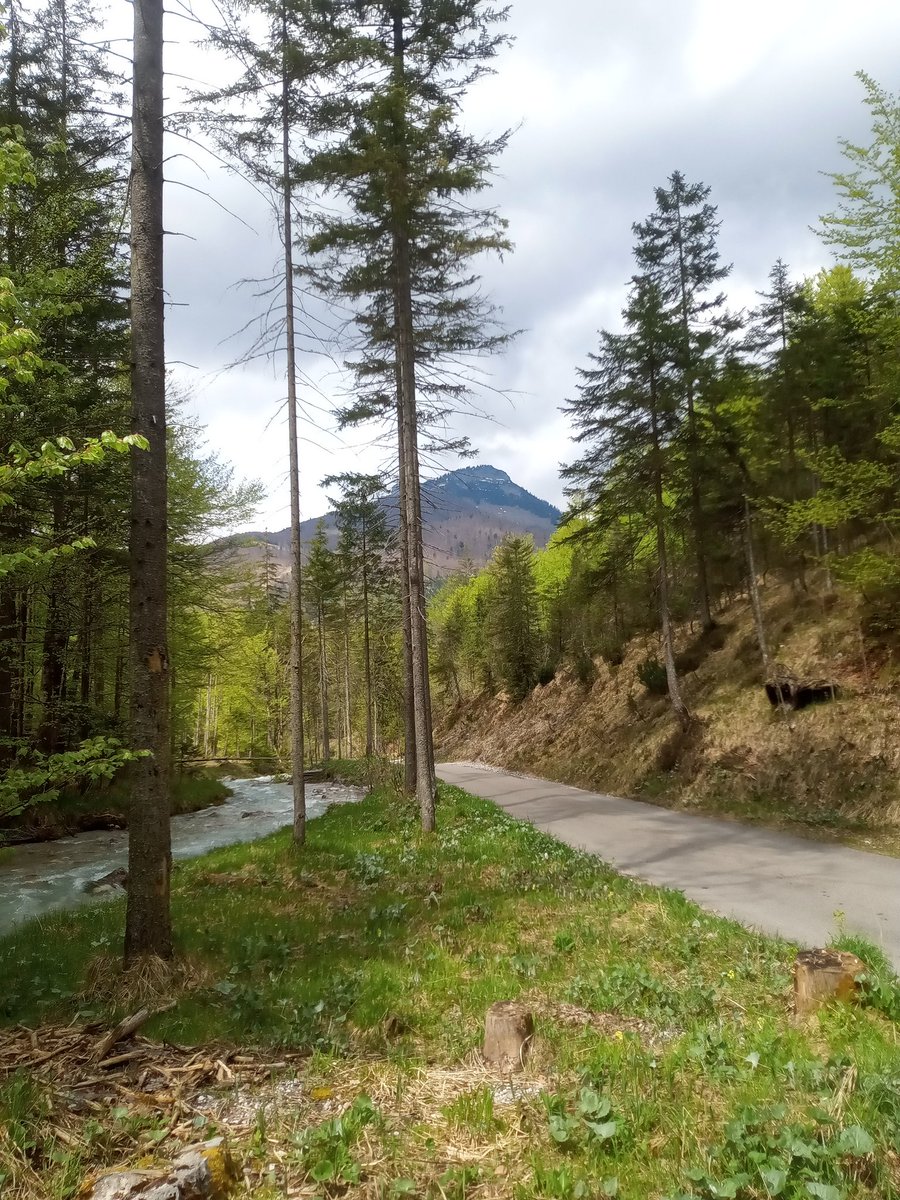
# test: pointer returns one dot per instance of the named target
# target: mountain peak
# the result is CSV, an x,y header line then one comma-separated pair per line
x,y
466,514
482,471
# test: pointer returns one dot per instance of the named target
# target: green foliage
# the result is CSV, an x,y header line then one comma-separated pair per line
x,y
585,671
39,778
765,1153
589,1122
652,674
862,229
326,1150
514,615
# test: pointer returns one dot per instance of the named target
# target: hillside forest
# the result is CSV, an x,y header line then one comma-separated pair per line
x,y
717,454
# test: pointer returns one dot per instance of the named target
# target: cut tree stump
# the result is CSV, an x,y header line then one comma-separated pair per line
x,y
508,1030
822,975
202,1172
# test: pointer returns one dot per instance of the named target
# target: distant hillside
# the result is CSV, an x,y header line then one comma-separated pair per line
x,y
466,512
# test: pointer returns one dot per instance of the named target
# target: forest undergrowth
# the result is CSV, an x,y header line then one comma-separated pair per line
x,y
666,1063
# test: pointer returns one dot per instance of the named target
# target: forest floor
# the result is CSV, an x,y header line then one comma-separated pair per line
x,y
105,806
328,1006
830,771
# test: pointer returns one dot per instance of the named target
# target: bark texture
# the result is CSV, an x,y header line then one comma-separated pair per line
x,y
508,1032
296,592
823,975
148,922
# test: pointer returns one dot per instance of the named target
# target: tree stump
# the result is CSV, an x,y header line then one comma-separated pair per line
x,y
821,975
508,1030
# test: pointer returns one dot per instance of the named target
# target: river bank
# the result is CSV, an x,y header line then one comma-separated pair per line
x,y
43,876
105,806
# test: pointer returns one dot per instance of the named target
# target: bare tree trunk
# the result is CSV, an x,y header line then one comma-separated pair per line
x,y
9,652
296,592
207,725
324,703
119,674
678,705
367,652
148,928
409,715
98,650
21,672
56,637
346,715
754,586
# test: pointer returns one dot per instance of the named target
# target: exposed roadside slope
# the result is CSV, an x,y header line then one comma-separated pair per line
x,y
830,768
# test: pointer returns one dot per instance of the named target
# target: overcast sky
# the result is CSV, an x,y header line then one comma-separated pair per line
x,y
609,99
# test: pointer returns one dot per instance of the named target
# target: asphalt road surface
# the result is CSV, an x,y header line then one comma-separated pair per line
x,y
772,881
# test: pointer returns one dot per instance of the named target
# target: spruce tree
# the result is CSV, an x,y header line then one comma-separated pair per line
x,y
392,149
677,248
320,593
365,540
627,414
515,615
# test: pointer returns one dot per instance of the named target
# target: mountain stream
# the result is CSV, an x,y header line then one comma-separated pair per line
x,y
42,876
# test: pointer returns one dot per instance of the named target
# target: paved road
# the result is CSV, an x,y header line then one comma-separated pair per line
x,y
772,881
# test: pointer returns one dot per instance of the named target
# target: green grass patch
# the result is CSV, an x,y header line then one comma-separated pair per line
x,y
665,1064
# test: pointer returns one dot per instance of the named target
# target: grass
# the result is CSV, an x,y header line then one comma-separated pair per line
x,y
106,806
666,1063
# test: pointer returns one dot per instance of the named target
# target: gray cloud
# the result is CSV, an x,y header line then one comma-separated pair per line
x,y
750,98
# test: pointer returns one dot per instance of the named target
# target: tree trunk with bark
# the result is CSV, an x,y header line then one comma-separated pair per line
x,y
148,927
753,584
409,714
665,620
367,650
324,700
296,590
411,496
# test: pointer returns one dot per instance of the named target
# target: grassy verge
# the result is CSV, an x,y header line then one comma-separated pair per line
x,y
665,1063
106,807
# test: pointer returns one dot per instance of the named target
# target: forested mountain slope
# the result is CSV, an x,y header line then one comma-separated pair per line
x,y
833,766
466,512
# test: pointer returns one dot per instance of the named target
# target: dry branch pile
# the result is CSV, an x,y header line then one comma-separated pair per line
x,y
87,1071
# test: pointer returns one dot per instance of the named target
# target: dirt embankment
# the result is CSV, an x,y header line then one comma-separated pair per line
x,y
833,767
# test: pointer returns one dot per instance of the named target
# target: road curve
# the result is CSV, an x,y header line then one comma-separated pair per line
x,y
772,881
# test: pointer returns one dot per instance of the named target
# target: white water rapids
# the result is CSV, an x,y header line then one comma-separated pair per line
x,y
43,876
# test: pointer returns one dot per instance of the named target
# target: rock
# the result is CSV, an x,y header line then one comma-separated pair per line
x,y
821,975
787,690
202,1172
106,883
508,1030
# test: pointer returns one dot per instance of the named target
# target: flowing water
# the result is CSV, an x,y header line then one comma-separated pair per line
x,y
42,876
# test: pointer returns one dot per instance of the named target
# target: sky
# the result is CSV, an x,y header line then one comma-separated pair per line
x,y
606,101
